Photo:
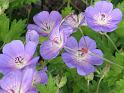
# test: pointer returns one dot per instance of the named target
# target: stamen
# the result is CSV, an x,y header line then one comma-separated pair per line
x,y
45,27
19,59
102,19
84,50
56,40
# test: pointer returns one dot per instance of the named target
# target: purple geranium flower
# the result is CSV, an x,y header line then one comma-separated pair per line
x,y
17,56
51,48
40,77
18,81
102,17
72,22
44,22
82,55
32,36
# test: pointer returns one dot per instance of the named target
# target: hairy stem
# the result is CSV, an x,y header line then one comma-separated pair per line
x,y
110,41
88,84
85,2
98,86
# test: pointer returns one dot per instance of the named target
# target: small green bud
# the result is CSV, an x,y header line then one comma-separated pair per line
x,y
61,82
89,77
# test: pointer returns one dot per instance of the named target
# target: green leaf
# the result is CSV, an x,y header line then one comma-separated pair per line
x,y
16,30
67,10
11,30
119,86
4,26
20,3
121,6
4,4
115,72
120,29
56,66
62,82
49,88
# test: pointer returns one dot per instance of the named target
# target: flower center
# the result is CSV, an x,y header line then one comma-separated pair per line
x,y
102,19
84,50
58,41
19,61
82,55
47,27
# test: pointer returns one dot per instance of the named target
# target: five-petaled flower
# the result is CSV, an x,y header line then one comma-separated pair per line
x,y
17,56
18,81
83,55
17,62
44,22
102,17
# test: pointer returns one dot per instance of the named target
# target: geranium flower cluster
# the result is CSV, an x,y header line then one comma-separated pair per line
x,y
18,64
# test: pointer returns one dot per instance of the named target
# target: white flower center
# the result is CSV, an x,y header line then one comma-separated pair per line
x,y
102,19
81,55
19,61
58,41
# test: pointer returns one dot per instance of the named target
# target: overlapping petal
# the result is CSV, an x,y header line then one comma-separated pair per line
x,y
32,36
102,17
45,22
86,42
49,50
84,56
13,48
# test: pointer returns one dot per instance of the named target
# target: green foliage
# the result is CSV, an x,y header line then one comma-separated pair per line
x,y
119,86
120,29
56,66
121,6
61,82
61,78
10,30
20,3
49,88
67,10
115,72
4,4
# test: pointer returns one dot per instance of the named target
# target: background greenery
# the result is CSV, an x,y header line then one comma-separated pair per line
x,y
16,14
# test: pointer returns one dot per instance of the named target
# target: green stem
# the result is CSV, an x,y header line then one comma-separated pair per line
x,y
57,91
68,4
81,31
28,13
98,86
2,46
91,2
110,41
85,2
88,84
105,59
